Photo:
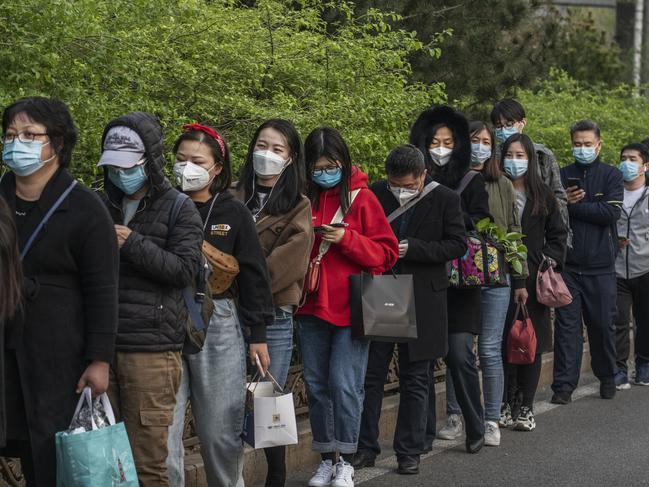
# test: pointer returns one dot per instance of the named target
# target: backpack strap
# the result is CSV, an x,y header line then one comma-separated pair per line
x,y
189,296
45,219
402,209
175,211
466,179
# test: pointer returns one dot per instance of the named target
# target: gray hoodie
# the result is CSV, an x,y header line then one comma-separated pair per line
x,y
633,261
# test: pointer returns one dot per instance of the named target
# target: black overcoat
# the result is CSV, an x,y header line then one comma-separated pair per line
x,y
545,234
435,235
69,317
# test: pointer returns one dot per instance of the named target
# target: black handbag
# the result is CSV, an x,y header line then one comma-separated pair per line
x,y
383,307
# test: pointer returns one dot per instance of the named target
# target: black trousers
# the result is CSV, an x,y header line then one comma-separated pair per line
x,y
410,431
461,362
632,294
593,297
523,380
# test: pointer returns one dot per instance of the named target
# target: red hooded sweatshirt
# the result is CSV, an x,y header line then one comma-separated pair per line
x,y
368,245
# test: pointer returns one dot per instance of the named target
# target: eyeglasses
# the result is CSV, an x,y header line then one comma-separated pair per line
x,y
331,171
22,136
509,124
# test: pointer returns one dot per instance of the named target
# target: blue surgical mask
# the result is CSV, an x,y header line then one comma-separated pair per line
x,y
504,133
128,180
584,155
24,158
630,170
479,154
326,180
515,168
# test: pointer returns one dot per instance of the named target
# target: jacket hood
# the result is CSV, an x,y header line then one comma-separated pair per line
x,y
421,135
149,129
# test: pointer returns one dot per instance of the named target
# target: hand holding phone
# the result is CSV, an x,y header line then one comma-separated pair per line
x,y
574,191
321,228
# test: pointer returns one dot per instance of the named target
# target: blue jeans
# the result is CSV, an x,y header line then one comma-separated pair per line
x,y
215,381
279,338
334,373
495,302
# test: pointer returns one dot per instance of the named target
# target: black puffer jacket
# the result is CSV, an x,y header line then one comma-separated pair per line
x,y
154,266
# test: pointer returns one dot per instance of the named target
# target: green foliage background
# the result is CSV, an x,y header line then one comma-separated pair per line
x,y
236,63
218,62
560,101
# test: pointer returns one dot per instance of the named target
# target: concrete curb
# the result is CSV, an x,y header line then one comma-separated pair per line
x,y
300,456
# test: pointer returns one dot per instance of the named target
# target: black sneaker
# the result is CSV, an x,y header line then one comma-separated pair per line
x,y
525,420
561,397
607,388
408,465
362,459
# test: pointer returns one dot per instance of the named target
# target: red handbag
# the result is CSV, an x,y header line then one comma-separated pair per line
x,y
521,341
312,278
551,290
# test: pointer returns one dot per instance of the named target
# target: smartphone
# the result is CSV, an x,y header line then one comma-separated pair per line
x,y
574,182
334,225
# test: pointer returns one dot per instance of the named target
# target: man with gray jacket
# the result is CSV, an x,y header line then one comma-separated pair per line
x,y
508,118
632,266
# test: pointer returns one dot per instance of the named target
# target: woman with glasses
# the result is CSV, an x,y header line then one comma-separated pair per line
x,y
352,235
63,338
271,185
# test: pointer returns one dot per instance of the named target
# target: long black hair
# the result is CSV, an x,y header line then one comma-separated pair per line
x,y
491,169
536,189
327,142
290,185
224,179
52,113
421,136
10,265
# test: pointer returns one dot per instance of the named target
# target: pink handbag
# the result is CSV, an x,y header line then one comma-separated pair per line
x,y
550,288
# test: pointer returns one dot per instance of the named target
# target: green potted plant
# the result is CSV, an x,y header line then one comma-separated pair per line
x,y
515,251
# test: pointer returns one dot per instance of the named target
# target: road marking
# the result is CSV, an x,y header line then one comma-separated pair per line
x,y
389,464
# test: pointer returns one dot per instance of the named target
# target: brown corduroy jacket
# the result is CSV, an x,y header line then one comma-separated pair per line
x,y
286,241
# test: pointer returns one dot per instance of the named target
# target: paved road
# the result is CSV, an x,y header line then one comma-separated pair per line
x,y
591,442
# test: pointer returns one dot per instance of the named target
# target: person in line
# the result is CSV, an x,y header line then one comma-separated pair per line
x,y
595,193
430,234
271,185
502,206
545,236
214,379
11,274
442,135
632,267
68,315
155,265
334,362
508,116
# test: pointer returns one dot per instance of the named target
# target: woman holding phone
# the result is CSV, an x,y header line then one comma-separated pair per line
x,y
334,362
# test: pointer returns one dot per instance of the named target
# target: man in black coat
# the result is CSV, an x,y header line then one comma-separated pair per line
x,y
155,265
431,232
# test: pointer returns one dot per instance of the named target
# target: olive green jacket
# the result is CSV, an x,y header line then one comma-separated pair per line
x,y
502,206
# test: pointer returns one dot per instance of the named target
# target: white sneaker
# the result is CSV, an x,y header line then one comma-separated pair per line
x,y
453,428
344,474
323,476
491,434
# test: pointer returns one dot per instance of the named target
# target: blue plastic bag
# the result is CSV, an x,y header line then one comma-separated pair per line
x,y
95,451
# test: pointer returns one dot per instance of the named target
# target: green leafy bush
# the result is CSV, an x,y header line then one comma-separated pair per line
x,y
220,62
560,101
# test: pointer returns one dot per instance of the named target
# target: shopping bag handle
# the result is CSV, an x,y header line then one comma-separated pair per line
x,y
86,397
256,379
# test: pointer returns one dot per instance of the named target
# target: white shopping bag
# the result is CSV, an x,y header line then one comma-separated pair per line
x,y
270,415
